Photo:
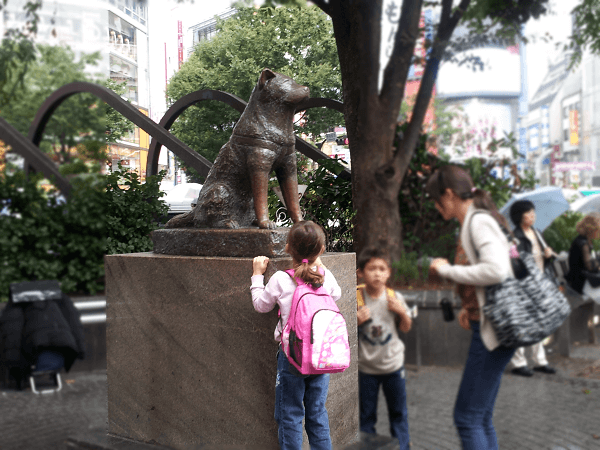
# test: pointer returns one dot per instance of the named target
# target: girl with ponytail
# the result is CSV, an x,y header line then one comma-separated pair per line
x,y
482,259
296,395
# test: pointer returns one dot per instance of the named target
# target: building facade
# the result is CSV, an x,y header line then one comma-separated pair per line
x,y
118,29
204,31
487,102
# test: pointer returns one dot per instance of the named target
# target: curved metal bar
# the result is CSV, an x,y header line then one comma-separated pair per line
x,y
310,150
321,102
238,104
31,153
177,109
125,108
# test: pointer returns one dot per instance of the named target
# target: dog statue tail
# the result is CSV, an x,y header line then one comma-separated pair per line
x,y
185,220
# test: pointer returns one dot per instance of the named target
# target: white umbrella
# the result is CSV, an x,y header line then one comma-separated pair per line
x,y
587,205
549,203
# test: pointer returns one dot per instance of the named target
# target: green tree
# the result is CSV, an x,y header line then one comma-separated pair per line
x,y
82,122
586,30
371,114
17,51
297,42
116,125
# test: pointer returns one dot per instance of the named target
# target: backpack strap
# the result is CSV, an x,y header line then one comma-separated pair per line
x,y
290,272
300,281
477,211
360,299
360,296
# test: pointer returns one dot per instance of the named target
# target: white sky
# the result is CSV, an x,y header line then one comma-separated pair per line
x,y
539,53
200,10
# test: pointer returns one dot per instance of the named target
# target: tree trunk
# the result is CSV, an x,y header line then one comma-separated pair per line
x,y
371,128
378,167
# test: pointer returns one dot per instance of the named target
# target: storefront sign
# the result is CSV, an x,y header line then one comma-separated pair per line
x,y
578,165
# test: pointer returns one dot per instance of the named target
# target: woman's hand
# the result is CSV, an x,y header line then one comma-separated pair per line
x,y
437,263
549,253
463,319
259,265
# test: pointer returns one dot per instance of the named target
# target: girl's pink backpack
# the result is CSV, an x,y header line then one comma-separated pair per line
x,y
315,337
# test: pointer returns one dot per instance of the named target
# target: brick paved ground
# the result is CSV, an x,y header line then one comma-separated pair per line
x,y
43,422
560,412
544,412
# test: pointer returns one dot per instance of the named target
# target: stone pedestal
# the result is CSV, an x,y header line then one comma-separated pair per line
x,y
189,361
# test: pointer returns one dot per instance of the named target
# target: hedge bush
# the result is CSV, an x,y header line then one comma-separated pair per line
x,y
44,237
561,232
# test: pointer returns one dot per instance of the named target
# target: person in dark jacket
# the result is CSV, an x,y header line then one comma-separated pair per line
x,y
31,329
581,254
530,240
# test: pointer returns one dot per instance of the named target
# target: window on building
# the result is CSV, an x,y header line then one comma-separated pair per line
x,y
566,137
121,37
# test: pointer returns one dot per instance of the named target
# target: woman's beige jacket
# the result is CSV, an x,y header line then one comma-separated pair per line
x,y
491,267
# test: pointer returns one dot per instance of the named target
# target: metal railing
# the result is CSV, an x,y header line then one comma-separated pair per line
x,y
92,312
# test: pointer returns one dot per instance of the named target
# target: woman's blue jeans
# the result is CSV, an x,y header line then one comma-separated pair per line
x,y
479,387
298,398
394,389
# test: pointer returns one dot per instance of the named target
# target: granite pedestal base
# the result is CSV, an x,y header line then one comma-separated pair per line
x,y
189,361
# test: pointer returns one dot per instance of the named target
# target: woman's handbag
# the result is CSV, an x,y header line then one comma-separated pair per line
x,y
524,311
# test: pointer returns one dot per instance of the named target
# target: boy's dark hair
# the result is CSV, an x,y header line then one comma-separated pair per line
x,y
369,253
518,209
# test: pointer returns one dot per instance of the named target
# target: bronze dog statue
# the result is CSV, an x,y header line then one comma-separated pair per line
x,y
234,194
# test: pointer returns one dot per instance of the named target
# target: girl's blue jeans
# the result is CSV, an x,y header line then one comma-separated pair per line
x,y
298,398
394,389
479,387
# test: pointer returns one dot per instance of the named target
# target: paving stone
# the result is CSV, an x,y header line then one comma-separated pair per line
x,y
538,413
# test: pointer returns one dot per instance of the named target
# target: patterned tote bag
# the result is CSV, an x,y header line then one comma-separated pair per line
x,y
527,309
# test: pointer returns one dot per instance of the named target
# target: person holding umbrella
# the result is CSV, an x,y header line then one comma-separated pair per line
x,y
549,202
530,240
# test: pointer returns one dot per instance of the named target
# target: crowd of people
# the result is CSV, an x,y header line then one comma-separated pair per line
x,y
483,258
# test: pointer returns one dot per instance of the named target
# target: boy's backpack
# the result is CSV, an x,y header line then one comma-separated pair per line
x,y
315,337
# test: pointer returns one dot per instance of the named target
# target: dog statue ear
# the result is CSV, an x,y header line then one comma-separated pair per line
x,y
265,76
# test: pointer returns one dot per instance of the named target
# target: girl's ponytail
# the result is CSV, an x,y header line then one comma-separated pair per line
x,y
306,273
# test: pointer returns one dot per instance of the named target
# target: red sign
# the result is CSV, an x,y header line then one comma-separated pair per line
x,y
180,42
